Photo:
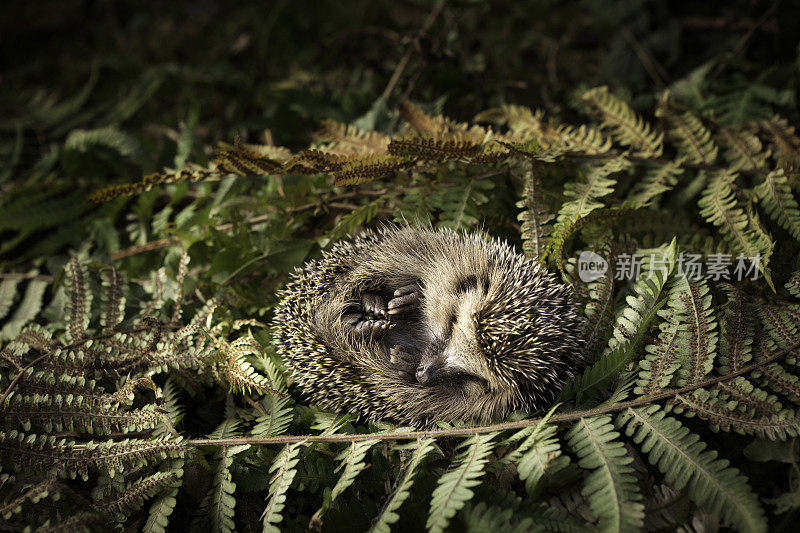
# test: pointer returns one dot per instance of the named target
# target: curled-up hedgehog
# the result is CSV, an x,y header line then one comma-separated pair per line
x,y
422,325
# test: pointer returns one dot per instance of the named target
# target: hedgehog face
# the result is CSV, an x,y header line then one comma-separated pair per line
x,y
455,357
487,335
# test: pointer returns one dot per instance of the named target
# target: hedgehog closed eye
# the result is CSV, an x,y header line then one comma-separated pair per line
x,y
406,351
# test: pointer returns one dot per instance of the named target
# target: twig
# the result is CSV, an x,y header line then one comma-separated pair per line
x,y
31,276
649,65
503,426
742,42
401,66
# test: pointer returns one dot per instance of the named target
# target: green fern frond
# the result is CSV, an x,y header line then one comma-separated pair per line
x,y
113,310
460,204
408,473
358,217
781,324
80,300
284,468
781,381
692,138
737,328
718,205
611,487
722,414
220,502
793,285
539,459
31,495
164,504
279,416
583,195
786,144
776,196
109,137
353,463
657,367
655,182
626,125
582,139
744,150
693,300
27,309
454,487
632,325
120,506
67,459
686,463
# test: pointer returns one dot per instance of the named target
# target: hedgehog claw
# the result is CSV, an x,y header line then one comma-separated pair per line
x,y
371,326
406,298
373,304
405,361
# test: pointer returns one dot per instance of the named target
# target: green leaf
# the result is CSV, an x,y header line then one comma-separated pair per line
x,y
402,489
285,469
453,489
682,457
611,486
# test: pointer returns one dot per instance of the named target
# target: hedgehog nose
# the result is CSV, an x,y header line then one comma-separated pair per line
x,y
425,373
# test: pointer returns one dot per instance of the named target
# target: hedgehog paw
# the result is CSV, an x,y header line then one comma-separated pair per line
x,y
405,299
373,304
404,361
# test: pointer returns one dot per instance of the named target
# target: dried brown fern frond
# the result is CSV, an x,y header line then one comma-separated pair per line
x,y
433,149
153,180
370,167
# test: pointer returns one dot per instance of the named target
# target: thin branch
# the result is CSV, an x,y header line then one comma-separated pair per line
x,y
503,426
401,66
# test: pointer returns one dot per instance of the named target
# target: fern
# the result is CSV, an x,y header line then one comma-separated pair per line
x,y
685,462
776,196
540,458
388,514
626,125
693,300
219,502
110,137
454,487
718,206
583,196
284,468
632,325
656,181
744,150
693,140
533,217
611,486
353,463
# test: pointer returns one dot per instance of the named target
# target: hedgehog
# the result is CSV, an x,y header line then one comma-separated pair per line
x,y
423,325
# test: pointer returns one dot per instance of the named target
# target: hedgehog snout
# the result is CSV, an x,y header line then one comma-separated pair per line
x,y
426,372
